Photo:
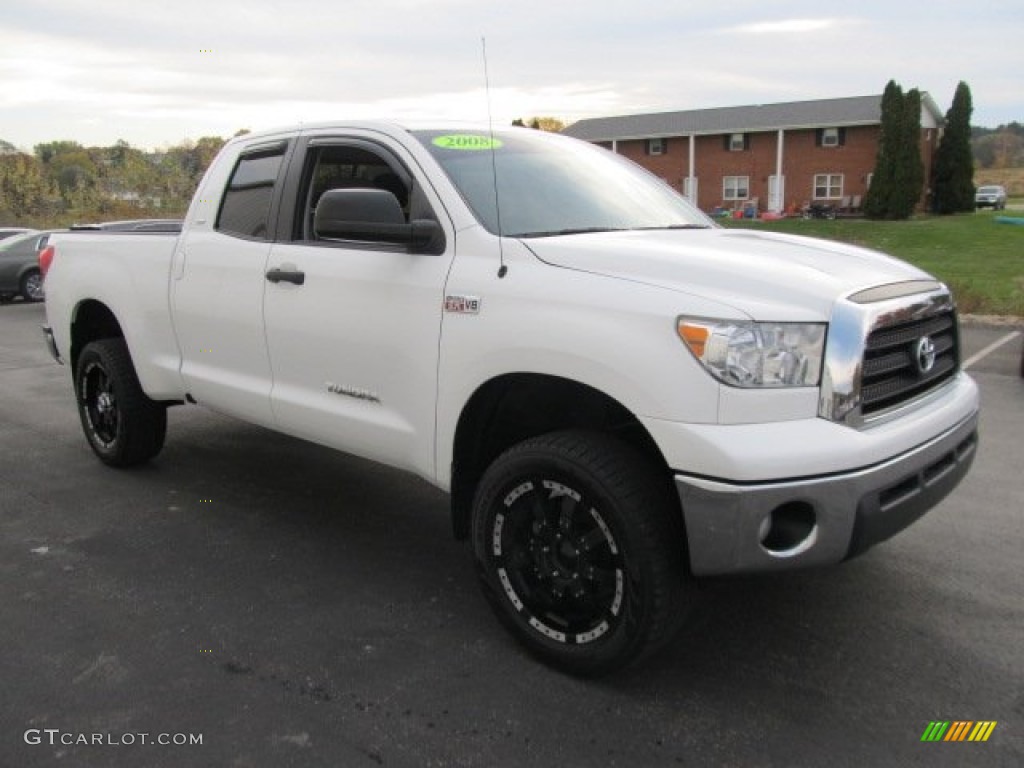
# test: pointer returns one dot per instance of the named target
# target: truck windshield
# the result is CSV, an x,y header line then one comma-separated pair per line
x,y
552,185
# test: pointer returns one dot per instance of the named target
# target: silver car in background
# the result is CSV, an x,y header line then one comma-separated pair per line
x,y
19,266
990,196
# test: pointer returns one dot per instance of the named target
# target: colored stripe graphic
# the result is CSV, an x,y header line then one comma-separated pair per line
x,y
958,730
982,730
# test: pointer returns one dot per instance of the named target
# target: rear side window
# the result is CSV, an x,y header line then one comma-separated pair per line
x,y
245,209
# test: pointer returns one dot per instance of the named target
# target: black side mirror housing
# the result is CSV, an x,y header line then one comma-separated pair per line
x,y
373,215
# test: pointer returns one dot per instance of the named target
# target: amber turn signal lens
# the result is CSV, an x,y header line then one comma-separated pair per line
x,y
694,336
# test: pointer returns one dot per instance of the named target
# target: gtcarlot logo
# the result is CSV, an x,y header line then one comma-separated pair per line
x,y
56,737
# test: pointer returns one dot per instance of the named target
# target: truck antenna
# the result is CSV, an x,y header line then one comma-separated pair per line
x,y
502,270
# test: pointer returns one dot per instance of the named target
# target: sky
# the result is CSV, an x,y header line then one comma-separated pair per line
x,y
156,74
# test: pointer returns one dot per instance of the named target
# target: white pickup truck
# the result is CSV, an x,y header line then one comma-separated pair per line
x,y
618,394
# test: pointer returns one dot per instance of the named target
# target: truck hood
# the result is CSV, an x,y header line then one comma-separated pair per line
x,y
764,275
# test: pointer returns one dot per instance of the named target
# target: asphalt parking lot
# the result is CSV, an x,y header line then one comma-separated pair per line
x,y
296,607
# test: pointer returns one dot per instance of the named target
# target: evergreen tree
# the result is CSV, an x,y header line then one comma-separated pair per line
x,y
953,186
878,201
909,171
898,178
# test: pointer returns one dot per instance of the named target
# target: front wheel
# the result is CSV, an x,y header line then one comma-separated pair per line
x,y
123,426
579,549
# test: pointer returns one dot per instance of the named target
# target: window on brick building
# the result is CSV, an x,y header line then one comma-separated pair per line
x,y
828,186
735,187
655,146
737,142
830,137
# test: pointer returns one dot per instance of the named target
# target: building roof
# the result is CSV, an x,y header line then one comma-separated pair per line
x,y
822,113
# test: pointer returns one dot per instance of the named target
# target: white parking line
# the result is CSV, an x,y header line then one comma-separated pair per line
x,y
990,349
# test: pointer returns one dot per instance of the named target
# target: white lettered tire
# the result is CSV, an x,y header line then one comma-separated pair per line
x,y
579,550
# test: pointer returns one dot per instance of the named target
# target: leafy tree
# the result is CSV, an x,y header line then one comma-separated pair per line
x,y
25,194
205,150
551,124
1003,148
954,165
46,152
65,182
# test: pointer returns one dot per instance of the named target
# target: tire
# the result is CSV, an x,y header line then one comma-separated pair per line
x,y
123,426
32,286
579,548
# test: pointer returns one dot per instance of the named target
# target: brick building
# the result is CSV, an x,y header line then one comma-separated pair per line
x,y
777,156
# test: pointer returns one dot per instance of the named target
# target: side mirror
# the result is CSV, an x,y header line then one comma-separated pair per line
x,y
373,215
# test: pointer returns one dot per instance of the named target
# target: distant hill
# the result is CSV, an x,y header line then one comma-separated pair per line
x,y
1001,147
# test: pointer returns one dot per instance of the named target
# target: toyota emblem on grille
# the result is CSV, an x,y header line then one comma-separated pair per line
x,y
924,355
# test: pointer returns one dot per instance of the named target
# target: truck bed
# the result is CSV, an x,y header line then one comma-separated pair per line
x,y
100,265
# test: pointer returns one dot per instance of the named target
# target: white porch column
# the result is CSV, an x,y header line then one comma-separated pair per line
x,y
691,184
777,191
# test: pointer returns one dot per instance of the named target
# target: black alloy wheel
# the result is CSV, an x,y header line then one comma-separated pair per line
x,y
580,551
123,426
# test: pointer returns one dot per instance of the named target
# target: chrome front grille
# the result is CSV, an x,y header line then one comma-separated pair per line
x,y
888,347
906,360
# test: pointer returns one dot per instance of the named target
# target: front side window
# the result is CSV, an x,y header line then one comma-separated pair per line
x,y
738,142
551,185
245,209
828,186
344,166
735,187
655,146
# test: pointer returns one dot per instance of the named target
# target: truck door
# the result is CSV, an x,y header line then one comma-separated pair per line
x,y
217,288
353,326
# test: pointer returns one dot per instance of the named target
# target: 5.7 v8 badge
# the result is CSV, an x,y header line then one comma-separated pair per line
x,y
464,305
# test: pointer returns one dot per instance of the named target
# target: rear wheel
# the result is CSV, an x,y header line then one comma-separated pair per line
x,y
123,426
32,286
579,550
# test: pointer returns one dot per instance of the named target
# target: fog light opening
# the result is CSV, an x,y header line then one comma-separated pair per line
x,y
789,529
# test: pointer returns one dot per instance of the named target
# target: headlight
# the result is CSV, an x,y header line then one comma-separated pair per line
x,y
746,354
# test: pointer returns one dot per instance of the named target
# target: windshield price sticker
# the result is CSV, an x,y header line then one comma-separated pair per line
x,y
467,142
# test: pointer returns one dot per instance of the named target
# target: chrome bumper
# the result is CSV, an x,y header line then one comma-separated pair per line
x,y
734,528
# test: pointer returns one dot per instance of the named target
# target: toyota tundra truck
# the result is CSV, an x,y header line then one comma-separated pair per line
x,y
618,395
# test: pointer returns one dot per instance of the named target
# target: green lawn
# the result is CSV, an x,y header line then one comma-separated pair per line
x,y
980,259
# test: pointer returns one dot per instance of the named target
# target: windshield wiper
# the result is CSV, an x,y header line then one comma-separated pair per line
x,y
571,231
675,226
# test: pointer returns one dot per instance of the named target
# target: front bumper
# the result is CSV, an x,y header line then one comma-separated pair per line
x,y
737,527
